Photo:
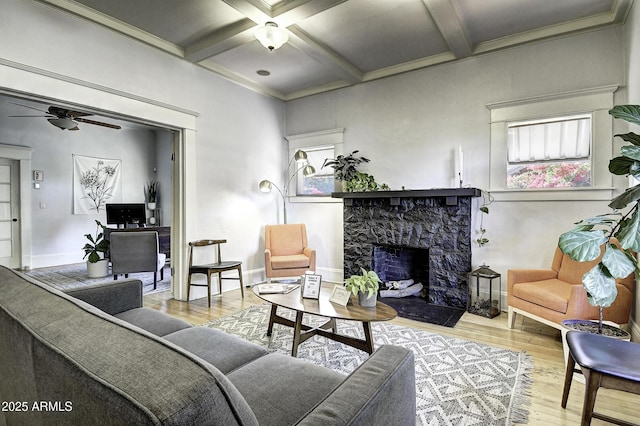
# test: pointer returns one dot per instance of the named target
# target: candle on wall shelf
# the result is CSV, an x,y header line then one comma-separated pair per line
x,y
460,165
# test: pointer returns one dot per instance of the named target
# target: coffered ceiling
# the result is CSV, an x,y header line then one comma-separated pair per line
x,y
338,43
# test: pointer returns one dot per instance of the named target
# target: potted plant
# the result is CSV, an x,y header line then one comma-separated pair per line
x,y
346,170
583,242
97,264
365,286
152,194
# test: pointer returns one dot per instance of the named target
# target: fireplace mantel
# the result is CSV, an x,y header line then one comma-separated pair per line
x,y
450,194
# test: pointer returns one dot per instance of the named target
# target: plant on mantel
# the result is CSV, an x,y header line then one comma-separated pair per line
x,y
346,170
583,242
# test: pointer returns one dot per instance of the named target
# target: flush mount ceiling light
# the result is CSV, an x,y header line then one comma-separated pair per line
x,y
271,36
64,123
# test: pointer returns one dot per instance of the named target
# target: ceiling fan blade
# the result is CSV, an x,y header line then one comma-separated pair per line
x,y
30,107
46,116
97,123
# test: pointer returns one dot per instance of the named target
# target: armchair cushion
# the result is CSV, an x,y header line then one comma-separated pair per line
x,y
290,261
551,294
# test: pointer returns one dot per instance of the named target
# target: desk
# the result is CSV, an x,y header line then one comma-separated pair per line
x,y
164,236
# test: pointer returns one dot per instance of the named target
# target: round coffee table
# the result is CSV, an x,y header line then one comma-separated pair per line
x,y
323,307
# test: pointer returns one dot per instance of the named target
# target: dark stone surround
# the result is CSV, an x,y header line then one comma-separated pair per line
x,y
438,220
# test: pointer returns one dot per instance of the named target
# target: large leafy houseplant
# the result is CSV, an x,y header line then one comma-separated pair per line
x,y
583,242
345,166
96,245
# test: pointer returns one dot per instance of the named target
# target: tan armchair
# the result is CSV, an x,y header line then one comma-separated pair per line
x,y
553,295
286,252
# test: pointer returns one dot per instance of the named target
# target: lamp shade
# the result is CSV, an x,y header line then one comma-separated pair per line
x,y
271,36
300,156
309,170
265,186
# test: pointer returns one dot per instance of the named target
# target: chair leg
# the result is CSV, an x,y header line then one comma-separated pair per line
x,y
592,385
241,284
115,277
162,274
511,317
220,284
568,378
188,286
209,289
155,280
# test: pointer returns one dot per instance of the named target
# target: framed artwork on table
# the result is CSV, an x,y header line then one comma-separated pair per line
x,y
340,295
311,286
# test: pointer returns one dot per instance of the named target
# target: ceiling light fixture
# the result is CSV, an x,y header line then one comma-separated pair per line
x,y
271,36
63,123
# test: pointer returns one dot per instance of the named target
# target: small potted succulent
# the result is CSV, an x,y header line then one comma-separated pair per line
x,y
365,286
95,252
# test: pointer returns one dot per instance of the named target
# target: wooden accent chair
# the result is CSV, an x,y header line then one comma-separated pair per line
x,y
605,362
286,251
136,252
552,295
217,266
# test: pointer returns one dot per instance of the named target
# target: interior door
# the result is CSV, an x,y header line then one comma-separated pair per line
x,y
9,213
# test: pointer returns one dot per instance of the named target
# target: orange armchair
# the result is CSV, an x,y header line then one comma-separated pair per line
x,y
286,253
553,295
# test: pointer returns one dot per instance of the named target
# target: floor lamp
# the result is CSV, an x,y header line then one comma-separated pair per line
x,y
302,165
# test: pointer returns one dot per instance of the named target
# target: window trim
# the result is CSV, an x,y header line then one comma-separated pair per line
x,y
319,139
596,101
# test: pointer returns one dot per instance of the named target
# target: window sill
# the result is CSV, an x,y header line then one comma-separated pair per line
x,y
553,194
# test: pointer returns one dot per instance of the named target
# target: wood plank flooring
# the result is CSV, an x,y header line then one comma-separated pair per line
x,y
543,343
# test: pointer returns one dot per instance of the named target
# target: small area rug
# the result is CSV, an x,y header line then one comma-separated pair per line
x,y
69,277
458,382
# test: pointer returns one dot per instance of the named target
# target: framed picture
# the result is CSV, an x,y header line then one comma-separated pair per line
x,y
340,295
311,286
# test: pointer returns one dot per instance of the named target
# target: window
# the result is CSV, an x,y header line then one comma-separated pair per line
x,y
318,146
322,182
553,147
550,153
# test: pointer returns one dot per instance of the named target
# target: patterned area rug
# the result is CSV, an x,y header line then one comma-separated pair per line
x,y
458,382
68,277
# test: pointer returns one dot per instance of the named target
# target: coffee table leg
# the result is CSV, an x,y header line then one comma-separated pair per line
x,y
297,328
368,336
272,317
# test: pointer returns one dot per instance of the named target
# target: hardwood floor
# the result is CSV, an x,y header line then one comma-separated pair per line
x,y
541,342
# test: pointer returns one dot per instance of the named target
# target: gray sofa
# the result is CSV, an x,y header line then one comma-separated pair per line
x,y
96,356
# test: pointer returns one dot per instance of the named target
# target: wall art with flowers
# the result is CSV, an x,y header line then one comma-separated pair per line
x,y
96,182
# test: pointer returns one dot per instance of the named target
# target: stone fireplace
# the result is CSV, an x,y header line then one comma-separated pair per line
x,y
424,233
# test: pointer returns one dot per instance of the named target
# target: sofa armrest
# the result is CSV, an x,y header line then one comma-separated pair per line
x,y
382,391
111,297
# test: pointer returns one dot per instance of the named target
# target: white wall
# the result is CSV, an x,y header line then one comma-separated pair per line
x,y
410,126
238,133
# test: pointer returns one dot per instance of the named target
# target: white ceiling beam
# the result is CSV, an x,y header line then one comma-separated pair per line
x,y
446,19
323,54
229,37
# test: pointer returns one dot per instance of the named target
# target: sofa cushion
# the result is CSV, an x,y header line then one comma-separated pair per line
x,y
153,321
289,261
552,294
222,350
274,397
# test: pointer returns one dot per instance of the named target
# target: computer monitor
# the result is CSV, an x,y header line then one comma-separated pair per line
x,y
126,214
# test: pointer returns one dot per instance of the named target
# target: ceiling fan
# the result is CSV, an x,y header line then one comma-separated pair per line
x,y
65,119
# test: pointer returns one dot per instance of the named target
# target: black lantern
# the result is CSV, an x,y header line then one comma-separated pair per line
x,y
485,290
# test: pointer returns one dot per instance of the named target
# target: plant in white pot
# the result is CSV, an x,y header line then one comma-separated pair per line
x,y
583,243
152,194
365,286
95,251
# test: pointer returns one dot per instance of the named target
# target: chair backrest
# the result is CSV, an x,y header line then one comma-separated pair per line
x,y
194,245
134,251
571,271
285,239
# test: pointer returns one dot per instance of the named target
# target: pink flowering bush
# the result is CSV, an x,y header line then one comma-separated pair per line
x,y
551,175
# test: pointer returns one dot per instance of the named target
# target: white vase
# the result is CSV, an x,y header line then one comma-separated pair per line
x,y
98,269
152,220
151,206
